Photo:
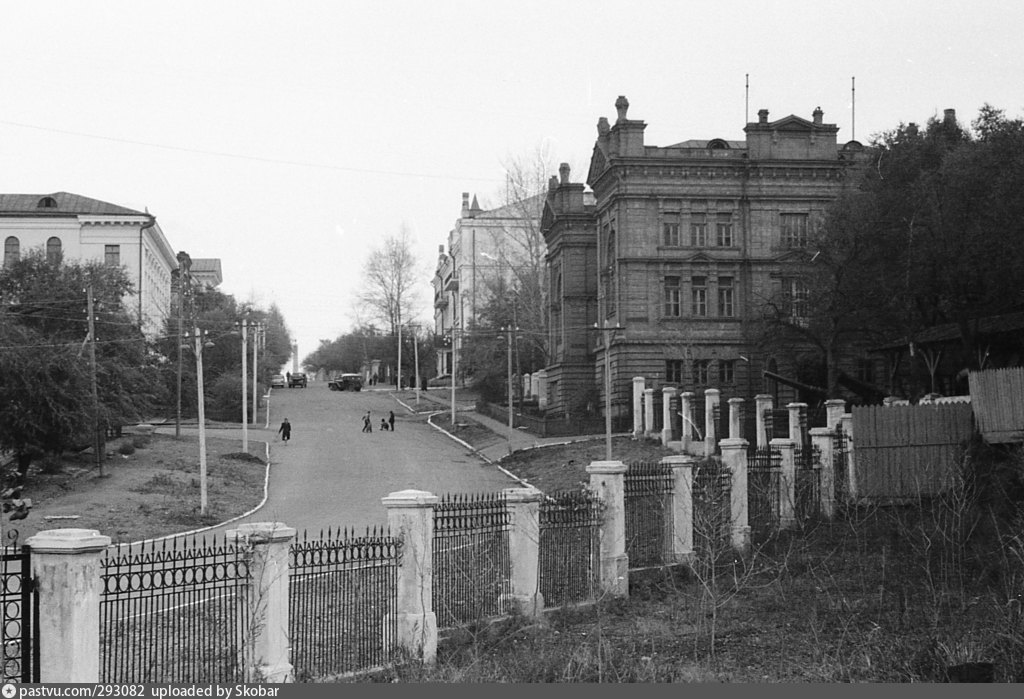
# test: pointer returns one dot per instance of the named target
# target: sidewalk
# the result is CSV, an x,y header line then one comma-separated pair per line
x,y
492,451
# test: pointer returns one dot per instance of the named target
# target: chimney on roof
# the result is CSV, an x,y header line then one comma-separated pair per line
x,y
949,115
563,173
762,116
817,114
621,106
465,204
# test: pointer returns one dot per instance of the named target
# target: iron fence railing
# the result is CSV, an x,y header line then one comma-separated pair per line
x,y
19,612
764,466
471,558
169,612
342,602
712,510
570,547
648,497
840,442
808,483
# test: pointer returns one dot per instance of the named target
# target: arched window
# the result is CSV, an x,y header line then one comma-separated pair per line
x,y
47,203
12,250
718,144
53,249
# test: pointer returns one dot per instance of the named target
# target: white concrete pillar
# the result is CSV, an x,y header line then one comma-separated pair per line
x,y
711,401
649,412
680,511
851,463
821,437
534,381
734,457
607,482
638,407
762,404
268,656
66,567
528,387
787,482
524,552
411,516
735,418
834,409
667,394
686,417
542,389
797,422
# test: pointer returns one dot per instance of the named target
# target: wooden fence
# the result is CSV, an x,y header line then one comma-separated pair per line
x,y
998,399
907,451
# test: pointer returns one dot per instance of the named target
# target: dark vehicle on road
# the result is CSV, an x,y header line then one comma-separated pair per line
x,y
346,382
297,380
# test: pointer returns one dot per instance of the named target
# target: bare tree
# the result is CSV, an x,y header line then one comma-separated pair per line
x,y
390,285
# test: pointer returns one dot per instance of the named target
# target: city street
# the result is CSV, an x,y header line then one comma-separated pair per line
x,y
332,475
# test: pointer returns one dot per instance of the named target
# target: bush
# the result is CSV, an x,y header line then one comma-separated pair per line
x,y
224,399
126,449
140,441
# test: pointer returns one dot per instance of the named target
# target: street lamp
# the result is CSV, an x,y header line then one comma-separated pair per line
x,y
509,330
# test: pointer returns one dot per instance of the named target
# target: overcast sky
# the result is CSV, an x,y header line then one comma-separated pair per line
x,y
289,138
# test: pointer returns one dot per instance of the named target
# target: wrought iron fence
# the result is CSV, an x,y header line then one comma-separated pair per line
x,y
764,466
19,608
342,601
648,497
839,450
173,611
471,558
570,547
808,483
712,510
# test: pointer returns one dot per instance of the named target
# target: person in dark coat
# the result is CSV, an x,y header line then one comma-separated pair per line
x,y
367,427
391,420
285,430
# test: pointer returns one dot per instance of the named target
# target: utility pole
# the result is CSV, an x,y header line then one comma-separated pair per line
x,y
416,358
455,355
245,397
257,336
511,406
399,376
202,421
606,334
97,443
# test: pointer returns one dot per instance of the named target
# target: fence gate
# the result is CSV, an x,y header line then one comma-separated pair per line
x,y
20,609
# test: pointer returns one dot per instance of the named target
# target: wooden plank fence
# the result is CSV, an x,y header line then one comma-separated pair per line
x,y
908,451
998,399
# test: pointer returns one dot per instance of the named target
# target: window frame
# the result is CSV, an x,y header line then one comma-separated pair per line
x,y
112,255
12,250
701,369
724,230
672,296
699,296
698,230
792,236
727,297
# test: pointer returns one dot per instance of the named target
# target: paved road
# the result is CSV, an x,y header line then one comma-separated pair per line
x,y
332,475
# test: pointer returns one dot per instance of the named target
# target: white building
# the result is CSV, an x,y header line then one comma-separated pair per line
x,y
87,229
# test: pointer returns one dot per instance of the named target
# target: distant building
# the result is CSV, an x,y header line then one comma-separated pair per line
x,y
679,250
481,249
206,271
84,229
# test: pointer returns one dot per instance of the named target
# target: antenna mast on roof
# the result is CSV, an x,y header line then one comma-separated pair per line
x,y
746,104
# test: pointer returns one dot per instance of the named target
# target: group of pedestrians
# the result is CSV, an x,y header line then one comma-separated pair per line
x,y
386,424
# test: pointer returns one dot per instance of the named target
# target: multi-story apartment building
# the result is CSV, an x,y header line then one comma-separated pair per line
x,y
483,247
681,249
85,229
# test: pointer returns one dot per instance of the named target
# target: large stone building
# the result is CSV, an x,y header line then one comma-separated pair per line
x,y
484,245
677,255
84,229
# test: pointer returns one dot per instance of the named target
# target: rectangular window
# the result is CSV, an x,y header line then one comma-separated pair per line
x,y
797,296
672,297
670,231
723,230
699,296
701,371
794,230
725,297
698,230
726,371
674,371
112,255
866,370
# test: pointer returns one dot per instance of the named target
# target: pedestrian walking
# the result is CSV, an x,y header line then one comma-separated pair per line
x,y
391,420
367,426
285,430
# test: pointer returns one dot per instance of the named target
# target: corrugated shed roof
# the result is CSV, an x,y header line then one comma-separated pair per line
x,y
949,332
67,204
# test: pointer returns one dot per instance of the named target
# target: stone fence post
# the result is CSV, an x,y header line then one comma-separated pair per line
x,y
667,395
411,516
711,401
265,608
524,551
638,407
787,483
648,412
734,456
851,463
735,418
607,481
834,408
686,417
797,423
679,549
821,437
66,567
762,404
